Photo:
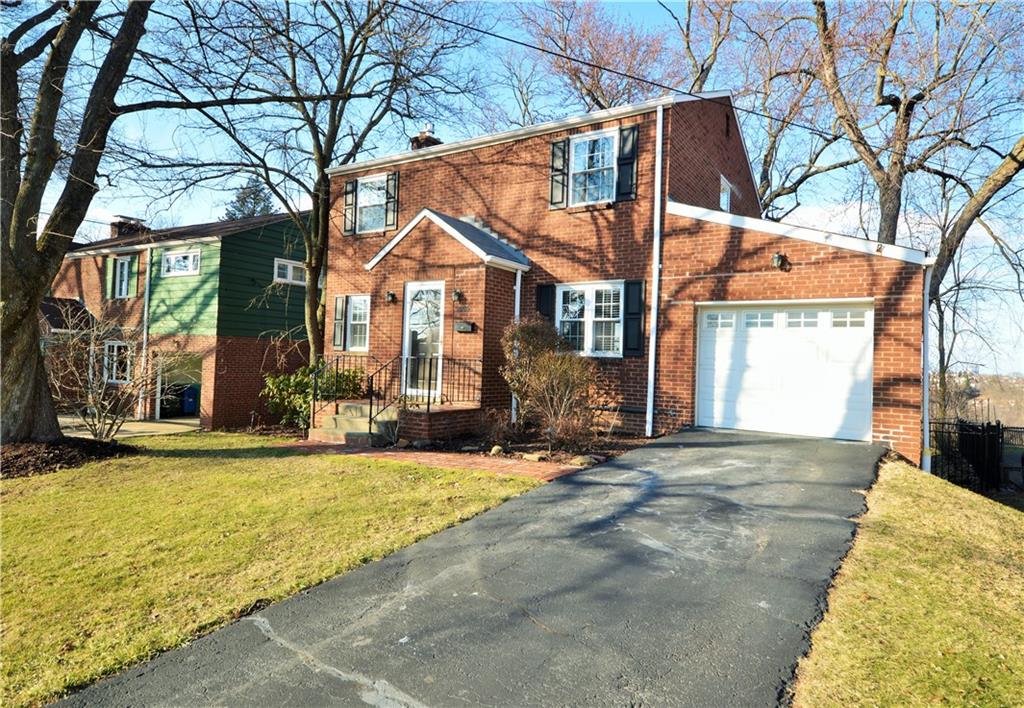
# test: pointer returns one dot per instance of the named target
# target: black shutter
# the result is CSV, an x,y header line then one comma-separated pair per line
x,y
391,205
546,302
559,195
633,318
339,321
349,226
625,187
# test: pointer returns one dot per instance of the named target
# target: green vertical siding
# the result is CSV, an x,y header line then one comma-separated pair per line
x,y
250,303
185,304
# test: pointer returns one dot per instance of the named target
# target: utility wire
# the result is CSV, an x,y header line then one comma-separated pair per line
x,y
626,75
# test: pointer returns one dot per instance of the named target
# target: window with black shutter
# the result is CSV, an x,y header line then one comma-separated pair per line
x,y
633,318
559,193
546,302
625,186
391,204
349,226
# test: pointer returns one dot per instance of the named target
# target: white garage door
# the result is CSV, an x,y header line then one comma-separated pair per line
x,y
803,370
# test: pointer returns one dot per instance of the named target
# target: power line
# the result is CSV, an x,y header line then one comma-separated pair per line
x,y
672,89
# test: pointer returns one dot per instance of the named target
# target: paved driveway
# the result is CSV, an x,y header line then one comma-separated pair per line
x,y
687,572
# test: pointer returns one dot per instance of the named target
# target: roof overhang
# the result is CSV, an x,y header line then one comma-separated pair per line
x,y
135,248
520,133
487,258
802,233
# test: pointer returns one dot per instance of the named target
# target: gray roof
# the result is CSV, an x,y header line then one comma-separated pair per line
x,y
214,228
490,244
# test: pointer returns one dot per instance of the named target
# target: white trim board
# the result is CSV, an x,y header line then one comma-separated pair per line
x,y
139,247
850,243
529,131
488,259
784,303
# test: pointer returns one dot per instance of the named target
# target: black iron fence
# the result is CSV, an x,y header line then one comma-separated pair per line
x,y
968,454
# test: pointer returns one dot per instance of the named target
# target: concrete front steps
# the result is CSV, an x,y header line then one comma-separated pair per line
x,y
350,425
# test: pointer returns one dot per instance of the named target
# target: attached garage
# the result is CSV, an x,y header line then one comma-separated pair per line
x,y
802,368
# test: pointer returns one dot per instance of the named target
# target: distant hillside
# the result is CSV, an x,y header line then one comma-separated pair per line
x,y
1005,394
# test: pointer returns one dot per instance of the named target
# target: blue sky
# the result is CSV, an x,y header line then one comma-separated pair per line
x,y
824,200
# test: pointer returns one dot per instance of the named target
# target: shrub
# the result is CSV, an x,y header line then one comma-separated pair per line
x,y
289,395
552,385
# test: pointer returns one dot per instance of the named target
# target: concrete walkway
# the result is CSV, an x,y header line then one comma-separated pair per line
x,y
686,572
73,426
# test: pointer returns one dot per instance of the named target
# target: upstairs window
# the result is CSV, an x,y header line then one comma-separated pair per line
x,y
122,277
181,263
289,272
371,203
592,168
724,194
590,317
117,363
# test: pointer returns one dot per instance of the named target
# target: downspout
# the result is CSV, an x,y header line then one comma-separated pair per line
x,y
655,276
926,458
145,331
515,318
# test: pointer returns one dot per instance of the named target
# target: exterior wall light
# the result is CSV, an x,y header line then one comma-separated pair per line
x,y
456,296
391,297
778,260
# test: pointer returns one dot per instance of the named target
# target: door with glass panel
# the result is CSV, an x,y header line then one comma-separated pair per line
x,y
422,339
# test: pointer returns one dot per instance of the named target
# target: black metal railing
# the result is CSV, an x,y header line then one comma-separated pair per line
x,y
340,378
426,382
967,454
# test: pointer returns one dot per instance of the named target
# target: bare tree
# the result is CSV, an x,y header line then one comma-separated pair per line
x,y
95,372
704,29
909,82
45,43
332,77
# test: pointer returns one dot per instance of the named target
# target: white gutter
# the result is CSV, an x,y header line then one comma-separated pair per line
x,y
926,458
655,276
515,318
145,330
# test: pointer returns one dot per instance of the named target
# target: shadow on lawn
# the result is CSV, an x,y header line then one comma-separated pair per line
x,y
252,453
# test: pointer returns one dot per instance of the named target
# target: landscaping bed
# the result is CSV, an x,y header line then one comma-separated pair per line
x,y
532,447
34,458
110,563
928,607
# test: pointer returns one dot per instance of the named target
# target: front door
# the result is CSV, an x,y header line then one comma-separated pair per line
x,y
421,341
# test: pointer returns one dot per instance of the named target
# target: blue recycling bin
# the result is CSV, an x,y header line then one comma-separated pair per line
x,y
190,400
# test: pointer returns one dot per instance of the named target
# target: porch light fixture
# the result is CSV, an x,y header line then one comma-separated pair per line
x,y
456,296
391,297
778,260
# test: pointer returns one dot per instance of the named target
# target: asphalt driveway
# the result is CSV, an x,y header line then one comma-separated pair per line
x,y
688,572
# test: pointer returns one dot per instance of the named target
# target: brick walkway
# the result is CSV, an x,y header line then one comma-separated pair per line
x,y
546,471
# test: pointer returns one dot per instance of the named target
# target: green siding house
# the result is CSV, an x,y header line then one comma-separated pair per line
x,y
230,295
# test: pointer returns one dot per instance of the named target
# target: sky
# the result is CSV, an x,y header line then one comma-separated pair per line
x,y
825,201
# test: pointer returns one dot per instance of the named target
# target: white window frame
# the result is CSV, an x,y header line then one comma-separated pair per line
x,y
587,137
108,371
802,319
122,283
348,323
849,319
759,319
292,265
588,314
725,191
194,256
720,320
383,178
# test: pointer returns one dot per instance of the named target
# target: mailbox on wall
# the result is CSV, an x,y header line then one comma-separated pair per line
x,y
463,327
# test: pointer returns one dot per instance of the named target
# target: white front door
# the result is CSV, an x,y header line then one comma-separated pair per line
x,y
803,369
422,338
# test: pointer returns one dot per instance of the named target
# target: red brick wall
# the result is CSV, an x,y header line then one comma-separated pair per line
x,y
84,278
416,424
711,262
704,144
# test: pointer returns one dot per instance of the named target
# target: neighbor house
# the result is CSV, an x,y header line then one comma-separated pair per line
x,y
228,294
636,231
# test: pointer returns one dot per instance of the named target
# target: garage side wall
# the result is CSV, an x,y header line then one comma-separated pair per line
x,y
711,262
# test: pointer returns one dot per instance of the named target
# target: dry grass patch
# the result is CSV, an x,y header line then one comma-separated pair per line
x,y
112,562
929,605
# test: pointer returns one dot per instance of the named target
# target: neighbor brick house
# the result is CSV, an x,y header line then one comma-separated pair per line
x,y
226,296
636,230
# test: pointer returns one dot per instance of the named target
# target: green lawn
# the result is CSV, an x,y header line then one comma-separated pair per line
x,y
107,564
929,605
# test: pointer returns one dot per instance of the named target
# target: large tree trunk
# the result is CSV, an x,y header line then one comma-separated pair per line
x,y
28,407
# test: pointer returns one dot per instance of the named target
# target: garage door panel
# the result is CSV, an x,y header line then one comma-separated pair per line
x,y
764,374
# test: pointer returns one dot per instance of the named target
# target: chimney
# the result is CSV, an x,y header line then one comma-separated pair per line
x,y
426,137
125,226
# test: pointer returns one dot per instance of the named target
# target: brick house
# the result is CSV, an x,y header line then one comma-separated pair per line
x,y
636,230
228,295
